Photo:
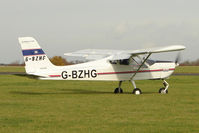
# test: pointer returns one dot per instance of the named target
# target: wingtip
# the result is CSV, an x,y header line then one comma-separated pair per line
x,y
182,47
26,37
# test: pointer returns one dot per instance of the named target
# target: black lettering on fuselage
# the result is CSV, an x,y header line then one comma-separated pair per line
x,y
80,74
93,73
40,57
64,75
74,74
86,73
26,59
35,58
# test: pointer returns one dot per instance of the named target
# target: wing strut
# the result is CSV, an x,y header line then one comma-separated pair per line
x,y
140,66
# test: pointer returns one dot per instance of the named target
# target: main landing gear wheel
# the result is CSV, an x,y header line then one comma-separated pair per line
x,y
137,91
162,91
118,90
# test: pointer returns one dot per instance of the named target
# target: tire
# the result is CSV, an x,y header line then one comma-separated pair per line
x,y
117,90
137,91
161,91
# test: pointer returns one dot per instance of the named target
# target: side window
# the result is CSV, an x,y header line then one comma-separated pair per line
x,y
121,62
124,62
137,61
113,62
150,62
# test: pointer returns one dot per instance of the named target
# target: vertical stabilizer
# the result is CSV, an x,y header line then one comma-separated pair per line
x,y
34,57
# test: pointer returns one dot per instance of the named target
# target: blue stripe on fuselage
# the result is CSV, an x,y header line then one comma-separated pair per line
x,y
29,52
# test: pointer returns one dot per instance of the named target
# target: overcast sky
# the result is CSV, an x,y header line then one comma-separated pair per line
x,y
62,26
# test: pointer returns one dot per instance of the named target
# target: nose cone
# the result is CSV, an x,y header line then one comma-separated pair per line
x,y
177,64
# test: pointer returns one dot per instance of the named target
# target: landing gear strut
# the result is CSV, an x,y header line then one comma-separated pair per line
x,y
136,90
119,89
164,90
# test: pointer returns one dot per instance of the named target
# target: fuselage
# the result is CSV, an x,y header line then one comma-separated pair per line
x,y
104,70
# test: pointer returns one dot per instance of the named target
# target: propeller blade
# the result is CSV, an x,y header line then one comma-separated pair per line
x,y
178,58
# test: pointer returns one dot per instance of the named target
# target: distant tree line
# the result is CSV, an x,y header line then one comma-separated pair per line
x,y
190,63
59,61
56,60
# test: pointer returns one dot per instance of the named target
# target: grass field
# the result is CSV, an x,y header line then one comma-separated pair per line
x,y
35,106
187,69
12,69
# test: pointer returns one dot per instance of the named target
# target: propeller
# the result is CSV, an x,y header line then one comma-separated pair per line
x,y
178,59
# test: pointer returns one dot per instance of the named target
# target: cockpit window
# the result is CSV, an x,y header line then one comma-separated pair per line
x,y
134,61
124,62
137,61
121,62
150,62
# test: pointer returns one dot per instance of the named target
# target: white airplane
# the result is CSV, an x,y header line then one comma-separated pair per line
x,y
108,65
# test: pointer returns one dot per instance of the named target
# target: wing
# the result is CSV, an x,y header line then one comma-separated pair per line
x,y
94,54
158,50
117,55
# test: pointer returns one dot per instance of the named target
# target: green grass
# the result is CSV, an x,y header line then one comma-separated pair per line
x,y
35,106
187,69
12,69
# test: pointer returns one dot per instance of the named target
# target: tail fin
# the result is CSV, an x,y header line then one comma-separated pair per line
x,y
34,57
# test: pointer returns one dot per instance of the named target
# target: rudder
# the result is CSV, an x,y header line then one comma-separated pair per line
x,y
34,57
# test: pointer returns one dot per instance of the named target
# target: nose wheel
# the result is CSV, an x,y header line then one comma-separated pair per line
x,y
164,90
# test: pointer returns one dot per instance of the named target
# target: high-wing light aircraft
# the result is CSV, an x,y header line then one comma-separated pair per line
x,y
107,65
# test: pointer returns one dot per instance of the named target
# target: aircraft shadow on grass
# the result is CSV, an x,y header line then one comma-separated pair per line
x,y
72,91
26,75
65,91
